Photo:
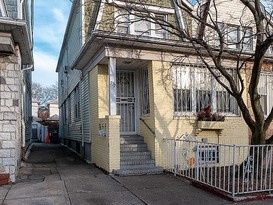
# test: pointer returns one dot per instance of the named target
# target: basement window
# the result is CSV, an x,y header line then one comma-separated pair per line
x,y
208,154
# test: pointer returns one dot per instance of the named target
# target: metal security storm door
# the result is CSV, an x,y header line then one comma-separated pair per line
x,y
126,107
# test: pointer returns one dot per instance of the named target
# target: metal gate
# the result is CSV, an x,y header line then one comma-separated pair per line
x,y
126,101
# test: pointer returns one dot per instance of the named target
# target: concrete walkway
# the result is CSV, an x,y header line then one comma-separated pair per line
x,y
54,175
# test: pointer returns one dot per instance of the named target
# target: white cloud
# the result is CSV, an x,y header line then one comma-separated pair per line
x,y
44,69
51,22
59,16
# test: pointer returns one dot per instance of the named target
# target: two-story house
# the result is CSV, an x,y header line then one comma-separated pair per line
x,y
16,64
127,80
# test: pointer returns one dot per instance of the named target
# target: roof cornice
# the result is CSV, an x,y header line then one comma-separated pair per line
x,y
20,34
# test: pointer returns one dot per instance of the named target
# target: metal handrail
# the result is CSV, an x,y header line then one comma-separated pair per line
x,y
141,119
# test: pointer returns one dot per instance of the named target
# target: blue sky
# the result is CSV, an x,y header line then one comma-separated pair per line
x,y
50,18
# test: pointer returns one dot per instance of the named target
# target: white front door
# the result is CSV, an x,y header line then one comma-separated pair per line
x,y
126,106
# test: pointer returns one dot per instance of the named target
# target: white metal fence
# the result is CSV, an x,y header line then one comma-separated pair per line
x,y
232,169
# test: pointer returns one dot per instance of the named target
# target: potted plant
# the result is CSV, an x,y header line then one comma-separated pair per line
x,y
207,115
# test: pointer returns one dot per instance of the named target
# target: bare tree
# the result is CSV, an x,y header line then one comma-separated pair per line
x,y
44,94
213,41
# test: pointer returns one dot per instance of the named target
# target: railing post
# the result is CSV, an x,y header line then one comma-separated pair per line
x,y
175,158
233,170
197,161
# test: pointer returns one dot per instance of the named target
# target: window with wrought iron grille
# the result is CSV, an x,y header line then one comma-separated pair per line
x,y
208,154
265,89
140,23
145,102
194,88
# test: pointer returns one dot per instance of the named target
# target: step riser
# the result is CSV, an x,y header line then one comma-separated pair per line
x,y
135,157
127,158
136,149
132,142
133,145
156,170
139,166
138,162
123,154
131,138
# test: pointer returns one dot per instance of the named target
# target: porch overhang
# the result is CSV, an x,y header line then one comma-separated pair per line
x,y
102,44
15,32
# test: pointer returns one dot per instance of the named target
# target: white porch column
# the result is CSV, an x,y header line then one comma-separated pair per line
x,y
112,86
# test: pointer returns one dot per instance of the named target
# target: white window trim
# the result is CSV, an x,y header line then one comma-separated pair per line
x,y
193,97
3,8
239,32
155,9
268,94
152,31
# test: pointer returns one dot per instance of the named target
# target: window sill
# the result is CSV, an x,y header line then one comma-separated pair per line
x,y
210,125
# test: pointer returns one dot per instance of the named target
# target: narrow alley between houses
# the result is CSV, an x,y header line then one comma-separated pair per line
x,y
55,175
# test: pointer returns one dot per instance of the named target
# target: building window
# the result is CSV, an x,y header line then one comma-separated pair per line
x,y
236,37
232,36
77,103
194,88
142,24
265,89
145,92
122,21
247,36
208,154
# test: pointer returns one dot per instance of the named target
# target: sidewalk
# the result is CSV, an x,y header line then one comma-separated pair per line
x,y
54,175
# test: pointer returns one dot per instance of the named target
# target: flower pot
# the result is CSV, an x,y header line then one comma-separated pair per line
x,y
4,178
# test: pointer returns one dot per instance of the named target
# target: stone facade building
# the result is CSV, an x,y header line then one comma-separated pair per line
x,y
16,65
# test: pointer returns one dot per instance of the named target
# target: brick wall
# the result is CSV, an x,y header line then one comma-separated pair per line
x,y
105,149
234,130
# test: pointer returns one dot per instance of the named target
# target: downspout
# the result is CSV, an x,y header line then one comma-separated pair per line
x,y
179,14
23,101
32,23
20,15
81,110
23,116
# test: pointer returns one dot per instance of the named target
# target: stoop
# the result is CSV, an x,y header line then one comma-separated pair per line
x,y
135,158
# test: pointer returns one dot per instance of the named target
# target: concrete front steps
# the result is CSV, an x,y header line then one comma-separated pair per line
x,y
135,158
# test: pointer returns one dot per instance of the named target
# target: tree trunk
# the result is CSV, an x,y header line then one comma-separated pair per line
x,y
258,135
